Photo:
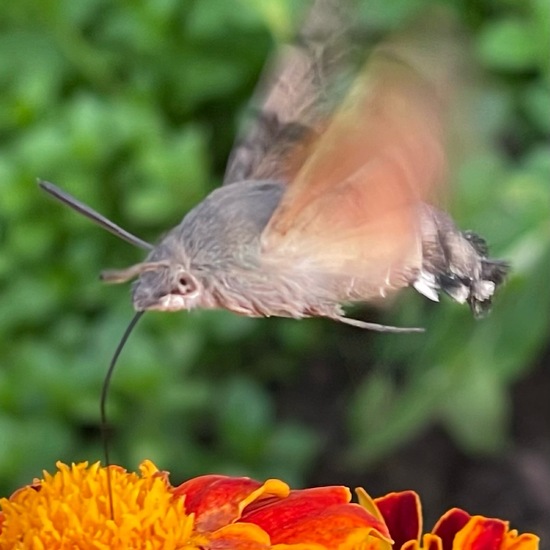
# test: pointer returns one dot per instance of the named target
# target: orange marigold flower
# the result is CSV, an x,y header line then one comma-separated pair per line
x,y
71,509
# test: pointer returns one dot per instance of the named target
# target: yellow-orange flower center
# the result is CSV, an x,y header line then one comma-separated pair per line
x,y
71,509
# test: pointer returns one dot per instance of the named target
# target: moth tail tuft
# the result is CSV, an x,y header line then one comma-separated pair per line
x,y
458,264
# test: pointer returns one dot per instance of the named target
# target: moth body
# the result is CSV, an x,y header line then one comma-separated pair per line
x,y
215,258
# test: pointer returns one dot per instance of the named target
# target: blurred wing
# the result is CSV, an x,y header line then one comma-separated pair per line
x,y
354,207
293,99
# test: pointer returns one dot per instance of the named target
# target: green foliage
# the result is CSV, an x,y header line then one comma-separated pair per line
x,y
133,108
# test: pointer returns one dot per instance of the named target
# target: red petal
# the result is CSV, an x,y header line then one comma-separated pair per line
x,y
458,529
403,515
304,500
449,525
321,515
219,500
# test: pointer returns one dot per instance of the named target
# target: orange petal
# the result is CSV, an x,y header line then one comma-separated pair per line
x,y
321,515
402,513
246,536
526,541
429,542
480,533
365,539
368,503
219,500
243,536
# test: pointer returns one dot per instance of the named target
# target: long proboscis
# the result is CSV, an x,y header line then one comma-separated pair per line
x,y
90,213
103,404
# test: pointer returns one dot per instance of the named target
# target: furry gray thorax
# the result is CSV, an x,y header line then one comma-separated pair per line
x,y
218,246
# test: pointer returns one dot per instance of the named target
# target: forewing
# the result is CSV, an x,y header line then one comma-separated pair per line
x,y
353,209
293,99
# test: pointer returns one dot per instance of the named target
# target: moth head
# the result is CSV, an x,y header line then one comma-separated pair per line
x,y
161,285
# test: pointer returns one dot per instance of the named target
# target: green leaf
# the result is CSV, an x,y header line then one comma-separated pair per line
x,y
536,104
246,417
477,411
385,418
508,45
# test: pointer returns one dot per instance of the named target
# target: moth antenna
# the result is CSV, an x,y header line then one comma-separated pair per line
x,y
90,213
376,326
103,405
116,276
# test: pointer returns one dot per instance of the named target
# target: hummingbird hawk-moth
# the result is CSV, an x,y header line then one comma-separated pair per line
x,y
323,203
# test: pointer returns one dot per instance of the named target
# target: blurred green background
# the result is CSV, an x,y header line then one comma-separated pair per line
x,y
133,107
